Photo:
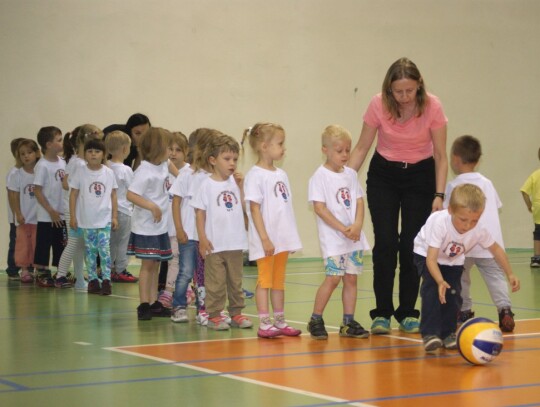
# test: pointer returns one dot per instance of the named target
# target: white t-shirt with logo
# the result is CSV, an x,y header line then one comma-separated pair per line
x,y
272,191
490,216
439,232
94,205
124,176
151,182
184,170
71,167
339,191
224,227
23,183
10,214
49,175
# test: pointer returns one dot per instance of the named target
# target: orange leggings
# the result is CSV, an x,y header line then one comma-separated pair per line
x,y
272,271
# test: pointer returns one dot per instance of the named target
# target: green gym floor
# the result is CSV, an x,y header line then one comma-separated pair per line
x,y
59,347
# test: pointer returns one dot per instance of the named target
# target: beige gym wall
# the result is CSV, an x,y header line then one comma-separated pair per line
x,y
304,64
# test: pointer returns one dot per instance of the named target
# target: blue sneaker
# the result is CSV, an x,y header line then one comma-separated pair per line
x,y
410,325
248,294
380,326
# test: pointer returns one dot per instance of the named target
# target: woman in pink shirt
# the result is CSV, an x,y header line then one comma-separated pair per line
x,y
407,173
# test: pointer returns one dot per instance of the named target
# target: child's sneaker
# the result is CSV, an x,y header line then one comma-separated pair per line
x,y
94,287
44,279
464,316
535,261
123,277
506,320
226,317
106,288
248,294
144,313
380,326
450,342
409,325
27,278
316,329
62,282
158,310
353,330
165,298
270,332
179,314
289,331
81,285
218,324
432,343
241,321
202,318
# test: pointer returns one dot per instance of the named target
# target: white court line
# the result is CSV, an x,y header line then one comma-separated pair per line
x,y
238,378
83,343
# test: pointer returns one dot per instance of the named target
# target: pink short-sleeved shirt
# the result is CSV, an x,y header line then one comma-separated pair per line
x,y
410,141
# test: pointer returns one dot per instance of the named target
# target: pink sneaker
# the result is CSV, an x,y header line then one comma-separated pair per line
x,y
289,331
271,332
165,298
27,278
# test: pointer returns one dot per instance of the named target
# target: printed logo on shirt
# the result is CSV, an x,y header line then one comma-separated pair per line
x,y
59,175
227,199
29,190
167,184
454,249
281,189
343,196
97,189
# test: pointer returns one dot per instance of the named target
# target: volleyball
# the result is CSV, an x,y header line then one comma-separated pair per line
x,y
479,340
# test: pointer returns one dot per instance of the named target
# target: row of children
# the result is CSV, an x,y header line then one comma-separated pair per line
x,y
207,202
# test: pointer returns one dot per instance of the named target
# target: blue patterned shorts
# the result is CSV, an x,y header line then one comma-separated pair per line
x,y
350,263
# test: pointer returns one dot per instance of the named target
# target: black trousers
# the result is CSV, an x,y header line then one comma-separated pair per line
x,y
395,193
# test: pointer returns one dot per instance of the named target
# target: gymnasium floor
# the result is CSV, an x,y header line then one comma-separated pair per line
x,y
60,348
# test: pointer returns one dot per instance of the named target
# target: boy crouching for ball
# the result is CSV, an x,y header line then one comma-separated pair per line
x,y
439,254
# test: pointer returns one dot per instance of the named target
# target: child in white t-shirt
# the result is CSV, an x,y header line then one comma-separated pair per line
x,y
93,208
118,145
51,228
439,253
12,270
222,236
272,226
338,202
149,239
24,206
464,157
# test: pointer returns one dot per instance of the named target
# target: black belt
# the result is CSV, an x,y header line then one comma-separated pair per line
x,y
400,164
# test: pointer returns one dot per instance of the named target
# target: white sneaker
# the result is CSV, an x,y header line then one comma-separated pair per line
x,y
226,317
202,318
179,315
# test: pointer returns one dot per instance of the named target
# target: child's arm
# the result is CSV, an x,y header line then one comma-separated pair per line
x,y
324,213
73,195
239,179
435,271
145,204
181,235
501,258
114,215
65,185
353,231
14,199
256,215
172,169
56,219
527,200
205,245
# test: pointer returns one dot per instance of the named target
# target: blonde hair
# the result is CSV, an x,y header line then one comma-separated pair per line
x,y
201,138
333,133
220,144
467,196
154,143
181,140
260,133
116,141
86,132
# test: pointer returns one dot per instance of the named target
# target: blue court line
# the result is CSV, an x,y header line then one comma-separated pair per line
x,y
423,395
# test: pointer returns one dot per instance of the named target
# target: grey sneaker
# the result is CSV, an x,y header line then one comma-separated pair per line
x,y
432,343
179,315
218,324
241,321
450,342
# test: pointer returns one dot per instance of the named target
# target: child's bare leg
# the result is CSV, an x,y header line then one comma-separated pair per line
x,y
349,293
277,297
147,276
537,247
324,293
261,299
